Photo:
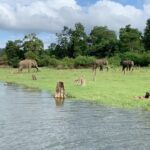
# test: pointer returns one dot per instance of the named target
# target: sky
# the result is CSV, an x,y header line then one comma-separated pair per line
x,y
47,17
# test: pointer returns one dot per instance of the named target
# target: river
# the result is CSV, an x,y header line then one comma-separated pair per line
x,y
31,120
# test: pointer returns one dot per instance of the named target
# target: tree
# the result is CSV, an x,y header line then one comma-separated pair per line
x,y
33,44
71,42
130,39
103,42
14,52
61,49
146,38
78,41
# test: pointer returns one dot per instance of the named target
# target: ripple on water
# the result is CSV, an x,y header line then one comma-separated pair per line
x,y
30,120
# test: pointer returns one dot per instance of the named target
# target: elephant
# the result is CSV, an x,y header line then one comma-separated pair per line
x,y
101,63
28,63
127,65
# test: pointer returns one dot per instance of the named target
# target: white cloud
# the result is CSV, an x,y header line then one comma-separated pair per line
x,y
52,15
146,1
115,15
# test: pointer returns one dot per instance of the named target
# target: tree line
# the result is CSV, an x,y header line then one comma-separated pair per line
x,y
78,46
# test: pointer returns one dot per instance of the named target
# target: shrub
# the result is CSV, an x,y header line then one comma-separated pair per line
x,y
67,62
14,62
84,61
140,59
30,55
115,60
3,60
44,60
53,62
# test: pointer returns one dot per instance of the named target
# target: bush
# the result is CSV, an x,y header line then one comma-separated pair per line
x,y
140,59
3,60
67,63
84,61
14,62
44,60
53,62
115,60
30,55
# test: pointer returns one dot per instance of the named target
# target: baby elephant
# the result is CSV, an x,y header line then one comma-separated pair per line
x,y
28,63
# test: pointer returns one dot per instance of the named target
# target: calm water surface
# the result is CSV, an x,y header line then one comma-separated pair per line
x,y
31,120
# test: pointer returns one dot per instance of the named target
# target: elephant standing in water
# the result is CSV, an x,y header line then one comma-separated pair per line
x,y
127,65
28,63
101,63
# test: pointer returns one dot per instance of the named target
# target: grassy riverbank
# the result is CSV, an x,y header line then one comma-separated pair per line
x,y
111,88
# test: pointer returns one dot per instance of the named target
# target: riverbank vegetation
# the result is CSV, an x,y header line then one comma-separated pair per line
x,y
75,47
71,57
111,88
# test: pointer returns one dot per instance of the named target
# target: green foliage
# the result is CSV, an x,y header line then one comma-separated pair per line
x,y
14,62
71,43
115,60
43,60
140,59
13,52
78,41
30,55
147,36
29,47
130,39
84,61
3,59
32,43
103,42
53,62
67,62
74,45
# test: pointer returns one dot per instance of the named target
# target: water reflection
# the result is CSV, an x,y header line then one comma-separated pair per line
x,y
59,101
31,120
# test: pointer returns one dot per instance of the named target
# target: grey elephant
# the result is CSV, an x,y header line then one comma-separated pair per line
x,y
101,64
28,63
127,65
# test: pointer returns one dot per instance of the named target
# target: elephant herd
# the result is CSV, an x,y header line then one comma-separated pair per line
x,y
127,65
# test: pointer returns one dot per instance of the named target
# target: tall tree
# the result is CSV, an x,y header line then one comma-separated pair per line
x,y
32,44
130,39
71,42
146,37
14,52
102,41
78,42
61,49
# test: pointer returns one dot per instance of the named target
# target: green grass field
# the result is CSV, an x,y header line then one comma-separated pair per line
x,y
111,88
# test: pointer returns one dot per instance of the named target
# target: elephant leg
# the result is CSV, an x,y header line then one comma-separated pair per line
x,y
101,67
20,69
132,68
107,68
123,69
29,68
127,68
37,69
94,67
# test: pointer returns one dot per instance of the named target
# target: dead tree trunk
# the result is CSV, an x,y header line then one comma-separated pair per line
x,y
34,77
60,91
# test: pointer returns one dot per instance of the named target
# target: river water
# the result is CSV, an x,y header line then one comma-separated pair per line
x,y
31,120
